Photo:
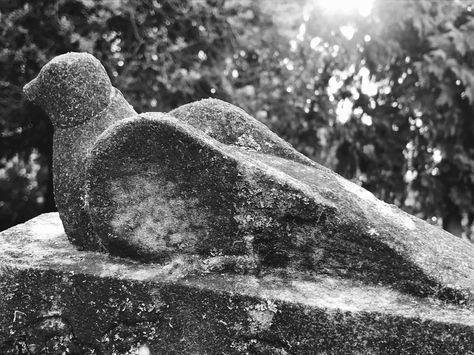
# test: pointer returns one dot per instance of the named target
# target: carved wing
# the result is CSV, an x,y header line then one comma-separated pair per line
x,y
231,125
159,187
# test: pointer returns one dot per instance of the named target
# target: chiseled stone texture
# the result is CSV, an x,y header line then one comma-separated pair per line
x,y
159,188
209,181
75,91
56,299
230,125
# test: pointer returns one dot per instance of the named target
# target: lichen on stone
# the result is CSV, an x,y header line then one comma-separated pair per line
x,y
207,189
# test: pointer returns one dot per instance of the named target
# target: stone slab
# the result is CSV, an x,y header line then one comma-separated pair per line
x,y
55,298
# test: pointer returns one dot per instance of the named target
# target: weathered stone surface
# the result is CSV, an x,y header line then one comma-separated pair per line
x,y
72,88
231,125
160,188
77,95
56,299
213,181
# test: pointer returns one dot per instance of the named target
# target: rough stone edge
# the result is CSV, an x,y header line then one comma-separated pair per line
x,y
104,315
228,312
453,282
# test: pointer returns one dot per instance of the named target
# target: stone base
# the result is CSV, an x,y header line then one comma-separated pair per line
x,y
55,299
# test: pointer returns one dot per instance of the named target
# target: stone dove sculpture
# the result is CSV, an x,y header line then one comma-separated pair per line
x,y
207,179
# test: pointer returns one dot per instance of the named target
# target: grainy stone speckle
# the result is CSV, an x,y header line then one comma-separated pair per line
x,y
212,198
72,88
56,299
231,125
209,181
250,247
77,95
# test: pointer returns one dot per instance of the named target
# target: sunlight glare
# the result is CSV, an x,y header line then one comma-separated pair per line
x,y
364,7
437,156
315,42
368,86
347,31
344,111
366,119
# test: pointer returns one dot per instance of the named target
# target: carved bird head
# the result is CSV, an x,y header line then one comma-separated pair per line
x,y
72,88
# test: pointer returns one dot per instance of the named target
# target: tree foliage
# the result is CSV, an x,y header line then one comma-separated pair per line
x,y
385,100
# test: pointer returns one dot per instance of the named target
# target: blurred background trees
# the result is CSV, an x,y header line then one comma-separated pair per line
x,y
380,91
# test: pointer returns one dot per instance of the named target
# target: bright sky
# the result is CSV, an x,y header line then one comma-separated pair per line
x,y
364,7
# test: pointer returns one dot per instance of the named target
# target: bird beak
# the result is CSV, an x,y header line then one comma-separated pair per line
x,y
30,91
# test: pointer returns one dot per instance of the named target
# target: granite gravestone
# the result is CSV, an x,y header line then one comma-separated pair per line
x,y
207,178
254,248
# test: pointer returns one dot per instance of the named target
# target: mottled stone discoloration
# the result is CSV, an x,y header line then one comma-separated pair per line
x,y
234,201
77,95
150,210
209,181
72,88
231,125
56,298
